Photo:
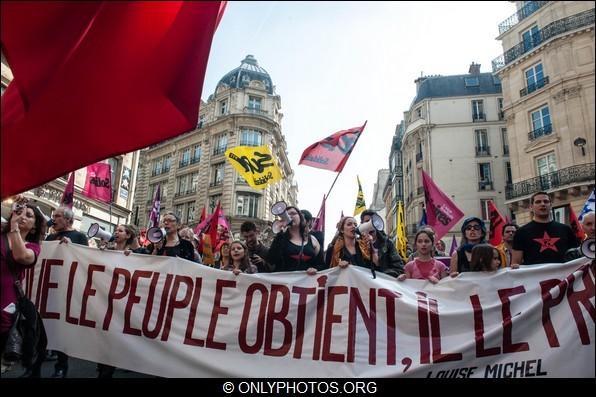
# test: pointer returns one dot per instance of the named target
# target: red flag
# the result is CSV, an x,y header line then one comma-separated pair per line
x,y
98,184
442,213
88,74
319,223
203,215
332,152
577,228
213,224
201,220
496,224
67,199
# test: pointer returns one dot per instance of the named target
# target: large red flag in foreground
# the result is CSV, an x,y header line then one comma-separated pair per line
x,y
441,212
97,79
577,228
332,152
495,236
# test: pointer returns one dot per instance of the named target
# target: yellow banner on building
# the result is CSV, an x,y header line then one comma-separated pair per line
x,y
401,240
256,164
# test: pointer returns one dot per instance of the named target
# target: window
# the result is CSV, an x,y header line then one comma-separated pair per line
x,y
254,103
190,211
202,119
217,174
194,181
478,110
500,111
166,163
419,113
531,38
471,81
181,184
545,165
213,200
223,107
484,209
419,151
485,177
179,211
541,124
184,158
482,148
508,178
247,205
534,78
196,156
560,214
250,138
157,165
505,139
221,144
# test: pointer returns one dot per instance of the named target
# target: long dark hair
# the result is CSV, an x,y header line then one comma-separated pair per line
x,y
39,228
245,263
482,258
302,225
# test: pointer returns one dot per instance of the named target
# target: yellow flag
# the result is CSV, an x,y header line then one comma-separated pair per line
x,y
255,164
360,204
401,241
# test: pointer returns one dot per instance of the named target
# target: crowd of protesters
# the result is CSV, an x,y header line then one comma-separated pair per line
x,y
296,247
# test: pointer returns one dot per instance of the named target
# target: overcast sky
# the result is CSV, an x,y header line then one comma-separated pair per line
x,y
337,64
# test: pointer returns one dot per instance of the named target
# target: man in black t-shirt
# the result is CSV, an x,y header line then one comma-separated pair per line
x,y
63,218
542,240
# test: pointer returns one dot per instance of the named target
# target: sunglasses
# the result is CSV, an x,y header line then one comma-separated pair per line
x,y
473,227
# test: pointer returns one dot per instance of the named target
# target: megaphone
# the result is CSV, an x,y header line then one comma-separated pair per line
x,y
96,231
156,234
278,226
375,223
49,221
279,209
587,248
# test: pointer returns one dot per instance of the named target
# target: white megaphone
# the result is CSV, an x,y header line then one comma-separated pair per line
x,y
49,221
279,209
156,234
278,226
587,248
96,231
374,224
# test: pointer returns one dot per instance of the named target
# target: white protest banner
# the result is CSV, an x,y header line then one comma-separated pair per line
x,y
174,318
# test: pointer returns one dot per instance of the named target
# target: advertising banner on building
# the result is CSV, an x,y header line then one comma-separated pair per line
x,y
173,318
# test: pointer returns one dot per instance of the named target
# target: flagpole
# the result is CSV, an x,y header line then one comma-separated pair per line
x,y
348,154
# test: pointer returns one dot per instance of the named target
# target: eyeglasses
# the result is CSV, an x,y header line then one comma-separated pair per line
x,y
473,227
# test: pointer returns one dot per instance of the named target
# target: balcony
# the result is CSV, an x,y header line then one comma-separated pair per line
x,y
216,183
195,160
482,151
521,14
540,132
160,171
551,30
533,87
485,185
478,117
418,157
552,180
183,163
257,111
185,193
219,150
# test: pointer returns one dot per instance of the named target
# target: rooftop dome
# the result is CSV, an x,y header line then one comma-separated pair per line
x,y
248,70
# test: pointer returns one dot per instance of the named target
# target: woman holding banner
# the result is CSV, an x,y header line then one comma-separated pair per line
x,y
473,232
295,249
20,246
347,248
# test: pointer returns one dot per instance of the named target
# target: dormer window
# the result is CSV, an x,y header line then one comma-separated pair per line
x,y
471,81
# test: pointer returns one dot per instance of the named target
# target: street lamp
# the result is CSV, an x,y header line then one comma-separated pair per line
x,y
581,142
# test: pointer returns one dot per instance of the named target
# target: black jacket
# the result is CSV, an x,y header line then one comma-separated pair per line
x,y
389,260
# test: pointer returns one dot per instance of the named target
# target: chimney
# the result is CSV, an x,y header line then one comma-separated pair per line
x,y
474,68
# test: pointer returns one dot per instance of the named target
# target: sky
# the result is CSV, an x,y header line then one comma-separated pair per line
x,y
338,64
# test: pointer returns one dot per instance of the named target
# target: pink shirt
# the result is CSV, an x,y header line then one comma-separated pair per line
x,y
422,270
9,293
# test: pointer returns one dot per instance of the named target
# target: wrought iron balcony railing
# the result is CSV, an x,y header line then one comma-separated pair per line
x,y
485,185
533,87
482,151
552,180
185,192
528,9
219,150
195,160
551,30
537,133
478,117
183,163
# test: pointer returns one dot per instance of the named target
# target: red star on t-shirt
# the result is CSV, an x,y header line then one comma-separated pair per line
x,y
547,242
